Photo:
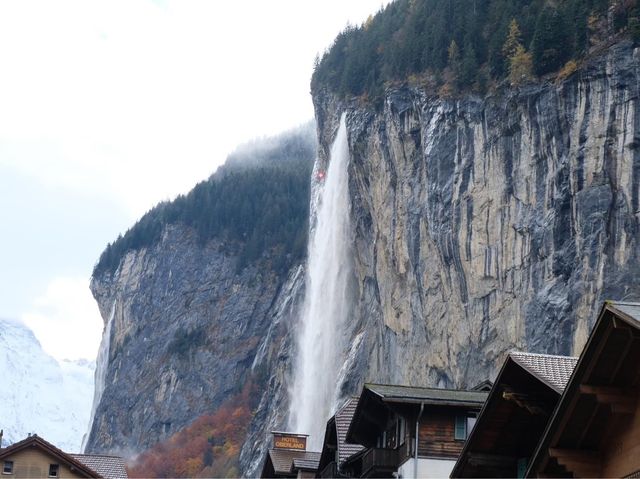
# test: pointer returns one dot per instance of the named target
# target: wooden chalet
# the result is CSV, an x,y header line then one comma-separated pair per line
x,y
595,428
511,423
335,449
35,457
410,431
289,457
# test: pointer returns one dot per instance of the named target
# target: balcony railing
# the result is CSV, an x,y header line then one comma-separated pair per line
x,y
379,461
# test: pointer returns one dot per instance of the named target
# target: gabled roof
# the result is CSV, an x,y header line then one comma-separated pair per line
x,y
378,401
109,467
609,361
435,396
343,420
554,371
485,385
35,441
523,397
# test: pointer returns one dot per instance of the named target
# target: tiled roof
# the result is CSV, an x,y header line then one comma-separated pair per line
x,y
343,421
282,459
109,467
428,395
554,371
309,463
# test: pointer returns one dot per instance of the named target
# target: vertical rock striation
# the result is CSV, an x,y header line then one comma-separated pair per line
x,y
486,224
186,333
481,225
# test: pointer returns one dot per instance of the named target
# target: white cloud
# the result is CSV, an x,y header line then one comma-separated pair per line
x,y
141,100
66,320
127,103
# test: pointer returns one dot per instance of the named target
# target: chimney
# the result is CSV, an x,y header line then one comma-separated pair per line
x,y
1,434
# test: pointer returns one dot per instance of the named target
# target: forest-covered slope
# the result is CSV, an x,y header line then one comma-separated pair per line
x,y
463,44
199,291
488,222
493,208
255,204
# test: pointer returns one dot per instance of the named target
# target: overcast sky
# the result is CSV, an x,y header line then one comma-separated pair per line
x,y
108,107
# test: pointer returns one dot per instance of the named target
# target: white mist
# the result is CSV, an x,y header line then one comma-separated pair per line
x,y
102,361
320,343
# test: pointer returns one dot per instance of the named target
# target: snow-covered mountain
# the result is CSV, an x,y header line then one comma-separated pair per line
x,y
39,394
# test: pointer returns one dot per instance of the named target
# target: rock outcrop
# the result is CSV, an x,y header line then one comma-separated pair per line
x,y
486,224
193,322
481,225
185,334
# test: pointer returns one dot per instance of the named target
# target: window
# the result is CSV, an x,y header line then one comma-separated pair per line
x,y
8,467
401,431
460,433
53,470
522,466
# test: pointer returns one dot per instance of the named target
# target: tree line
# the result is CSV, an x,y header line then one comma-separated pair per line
x,y
257,204
467,44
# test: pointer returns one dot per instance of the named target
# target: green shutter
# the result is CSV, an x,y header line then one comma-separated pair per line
x,y
522,466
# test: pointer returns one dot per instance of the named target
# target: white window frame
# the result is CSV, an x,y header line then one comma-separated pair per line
x,y
57,470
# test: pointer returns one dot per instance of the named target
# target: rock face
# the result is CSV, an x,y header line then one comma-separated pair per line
x,y
481,225
185,332
194,320
486,224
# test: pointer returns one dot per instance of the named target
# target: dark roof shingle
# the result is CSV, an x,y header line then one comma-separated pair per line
x,y
554,371
343,421
428,395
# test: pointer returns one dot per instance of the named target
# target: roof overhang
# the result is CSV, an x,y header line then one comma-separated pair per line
x,y
609,359
37,442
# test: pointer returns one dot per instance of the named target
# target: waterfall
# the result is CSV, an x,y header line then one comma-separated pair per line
x,y
102,361
320,343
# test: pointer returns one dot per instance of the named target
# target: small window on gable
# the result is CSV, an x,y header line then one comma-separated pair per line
x,y
53,470
460,433
7,468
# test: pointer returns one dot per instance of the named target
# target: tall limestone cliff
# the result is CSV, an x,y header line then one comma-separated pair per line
x,y
481,224
200,304
486,224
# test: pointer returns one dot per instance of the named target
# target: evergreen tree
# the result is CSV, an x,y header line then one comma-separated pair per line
x,y
551,46
520,66
453,55
468,67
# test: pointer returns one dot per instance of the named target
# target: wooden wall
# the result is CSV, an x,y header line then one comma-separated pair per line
x,y
621,454
34,463
436,434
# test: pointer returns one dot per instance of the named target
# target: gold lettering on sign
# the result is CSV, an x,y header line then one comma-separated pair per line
x,y
290,442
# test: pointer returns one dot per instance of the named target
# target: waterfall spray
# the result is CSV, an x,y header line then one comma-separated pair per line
x,y
102,361
320,344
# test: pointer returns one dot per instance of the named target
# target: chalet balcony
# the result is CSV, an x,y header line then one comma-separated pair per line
x,y
330,470
380,462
